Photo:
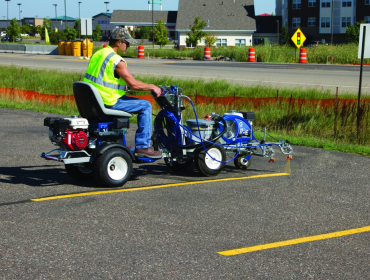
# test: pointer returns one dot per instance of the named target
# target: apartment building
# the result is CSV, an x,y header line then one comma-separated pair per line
x,y
322,20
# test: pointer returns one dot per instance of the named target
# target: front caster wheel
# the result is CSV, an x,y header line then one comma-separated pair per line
x,y
210,163
80,172
240,163
114,168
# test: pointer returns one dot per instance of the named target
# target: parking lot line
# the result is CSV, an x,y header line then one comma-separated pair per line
x,y
294,241
156,187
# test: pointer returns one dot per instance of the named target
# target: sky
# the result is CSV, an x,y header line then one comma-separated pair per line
x,y
90,8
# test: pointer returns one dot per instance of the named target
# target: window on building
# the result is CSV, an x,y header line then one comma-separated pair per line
x,y
311,3
346,3
325,22
221,43
346,21
367,2
239,42
325,3
296,22
367,19
297,4
311,21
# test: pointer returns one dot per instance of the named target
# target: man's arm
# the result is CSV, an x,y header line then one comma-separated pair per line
x,y
122,70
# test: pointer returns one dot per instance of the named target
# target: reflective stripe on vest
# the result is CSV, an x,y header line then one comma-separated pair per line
x,y
100,73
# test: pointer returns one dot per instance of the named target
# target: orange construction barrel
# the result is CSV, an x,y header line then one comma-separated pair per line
x,y
207,53
140,52
76,48
303,56
251,55
62,48
68,47
87,47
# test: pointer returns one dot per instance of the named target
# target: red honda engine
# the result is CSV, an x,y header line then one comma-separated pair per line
x,y
75,140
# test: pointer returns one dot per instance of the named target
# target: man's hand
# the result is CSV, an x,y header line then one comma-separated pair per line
x,y
156,92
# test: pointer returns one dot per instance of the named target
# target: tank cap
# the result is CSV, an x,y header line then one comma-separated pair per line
x,y
74,116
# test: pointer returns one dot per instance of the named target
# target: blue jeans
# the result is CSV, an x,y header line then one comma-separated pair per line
x,y
143,108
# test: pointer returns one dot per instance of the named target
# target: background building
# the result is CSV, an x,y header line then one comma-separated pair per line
x,y
322,20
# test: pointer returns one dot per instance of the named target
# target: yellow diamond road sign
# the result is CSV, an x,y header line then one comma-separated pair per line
x,y
298,38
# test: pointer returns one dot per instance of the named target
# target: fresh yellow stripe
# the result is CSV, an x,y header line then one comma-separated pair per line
x,y
294,241
158,187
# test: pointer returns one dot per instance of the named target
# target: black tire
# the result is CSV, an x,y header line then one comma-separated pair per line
x,y
113,168
178,165
81,172
205,164
239,162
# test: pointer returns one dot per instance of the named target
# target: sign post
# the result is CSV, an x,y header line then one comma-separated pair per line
x,y
86,29
363,52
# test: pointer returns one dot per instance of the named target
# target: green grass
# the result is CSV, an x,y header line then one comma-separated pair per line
x,y
332,128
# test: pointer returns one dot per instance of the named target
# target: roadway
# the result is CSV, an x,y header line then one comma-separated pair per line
x,y
168,225
279,75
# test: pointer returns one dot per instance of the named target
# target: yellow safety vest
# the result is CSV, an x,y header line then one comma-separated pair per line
x,y
100,73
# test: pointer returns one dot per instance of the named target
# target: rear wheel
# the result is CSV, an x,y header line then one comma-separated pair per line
x,y
210,163
80,172
114,168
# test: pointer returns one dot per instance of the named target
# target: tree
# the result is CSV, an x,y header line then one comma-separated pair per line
x,y
96,33
284,35
47,24
161,34
35,29
25,29
353,32
77,26
210,39
70,34
143,32
197,32
13,31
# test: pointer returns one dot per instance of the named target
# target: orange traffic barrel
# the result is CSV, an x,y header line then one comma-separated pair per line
x,y
251,55
207,53
303,56
140,53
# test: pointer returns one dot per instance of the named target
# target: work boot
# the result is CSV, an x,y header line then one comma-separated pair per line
x,y
148,152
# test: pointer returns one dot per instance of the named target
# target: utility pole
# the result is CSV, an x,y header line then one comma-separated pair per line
x,y
79,18
65,15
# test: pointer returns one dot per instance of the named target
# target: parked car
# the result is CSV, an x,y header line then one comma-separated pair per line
x,y
104,38
10,39
315,43
3,33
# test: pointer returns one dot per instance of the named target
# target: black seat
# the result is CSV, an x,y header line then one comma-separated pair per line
x,y
90,103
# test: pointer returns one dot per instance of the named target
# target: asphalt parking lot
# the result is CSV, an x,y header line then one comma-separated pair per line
x,y
168,225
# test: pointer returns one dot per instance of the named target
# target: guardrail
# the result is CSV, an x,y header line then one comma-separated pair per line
x,y
33,49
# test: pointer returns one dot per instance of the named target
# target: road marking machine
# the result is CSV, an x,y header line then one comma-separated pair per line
x,y
93,145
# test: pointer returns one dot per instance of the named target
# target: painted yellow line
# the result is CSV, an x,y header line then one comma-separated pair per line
x,y
157,187
294,241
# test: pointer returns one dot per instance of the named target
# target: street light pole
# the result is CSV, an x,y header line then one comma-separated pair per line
x,y
19,5
56,18
7,13
65,15
106,22
79,17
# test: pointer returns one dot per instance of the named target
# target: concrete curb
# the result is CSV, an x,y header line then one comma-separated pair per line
x,y
32,49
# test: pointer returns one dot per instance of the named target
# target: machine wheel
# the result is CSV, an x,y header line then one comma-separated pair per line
x,y
80,172
114,168
208,166
178,165
239,162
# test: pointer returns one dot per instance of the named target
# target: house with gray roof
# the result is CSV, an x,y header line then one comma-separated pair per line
x,y
231,21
